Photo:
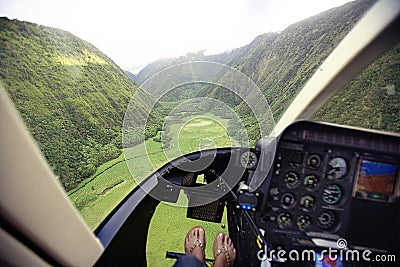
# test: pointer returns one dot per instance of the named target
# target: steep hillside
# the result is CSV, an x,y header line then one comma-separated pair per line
x,y
372,99
71,96
281,63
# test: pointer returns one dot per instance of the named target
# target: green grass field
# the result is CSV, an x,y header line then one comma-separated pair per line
x,y
168,229
97,196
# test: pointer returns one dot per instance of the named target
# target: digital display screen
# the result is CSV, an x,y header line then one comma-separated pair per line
x,y
376,180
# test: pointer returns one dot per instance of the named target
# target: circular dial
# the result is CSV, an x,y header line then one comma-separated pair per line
x,y
307,202
311,181
332,194
326,220
284,220
303,222
291,179
288,199
314,161
248,159
337,168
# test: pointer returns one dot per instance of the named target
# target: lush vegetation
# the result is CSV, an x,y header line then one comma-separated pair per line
x,y
71,96
371,100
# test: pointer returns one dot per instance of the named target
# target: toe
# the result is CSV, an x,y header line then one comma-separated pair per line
x,y
218,242
202,236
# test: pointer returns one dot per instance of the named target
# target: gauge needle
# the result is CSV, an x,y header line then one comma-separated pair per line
x,y
334,170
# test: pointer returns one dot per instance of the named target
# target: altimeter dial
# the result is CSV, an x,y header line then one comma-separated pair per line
x,y
337,168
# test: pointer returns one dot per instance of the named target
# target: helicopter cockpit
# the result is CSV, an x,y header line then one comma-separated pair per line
x,y
305,194
313,189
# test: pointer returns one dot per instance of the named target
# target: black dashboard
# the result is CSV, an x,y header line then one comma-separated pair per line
x,y
329,186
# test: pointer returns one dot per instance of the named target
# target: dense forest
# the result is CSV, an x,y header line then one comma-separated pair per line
x,y
73,97
372,99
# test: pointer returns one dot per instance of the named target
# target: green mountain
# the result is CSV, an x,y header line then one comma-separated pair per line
x,y
71,96
281,63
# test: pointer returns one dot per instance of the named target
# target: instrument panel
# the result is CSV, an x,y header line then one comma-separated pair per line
x,y
328,183
309,189
321,175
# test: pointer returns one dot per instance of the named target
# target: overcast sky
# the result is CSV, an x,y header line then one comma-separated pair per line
x,y
135,33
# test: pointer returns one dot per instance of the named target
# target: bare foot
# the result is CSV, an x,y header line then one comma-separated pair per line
x,y
224,251
195,243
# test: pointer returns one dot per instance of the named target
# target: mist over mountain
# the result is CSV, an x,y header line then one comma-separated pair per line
x,y
164,63
131,75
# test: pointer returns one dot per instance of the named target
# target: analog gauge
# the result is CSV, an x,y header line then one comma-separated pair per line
x,y
332,194
311,181
326,220
291,179
337,168
314,161
303,222
288,199
248,159
307,202
284,220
